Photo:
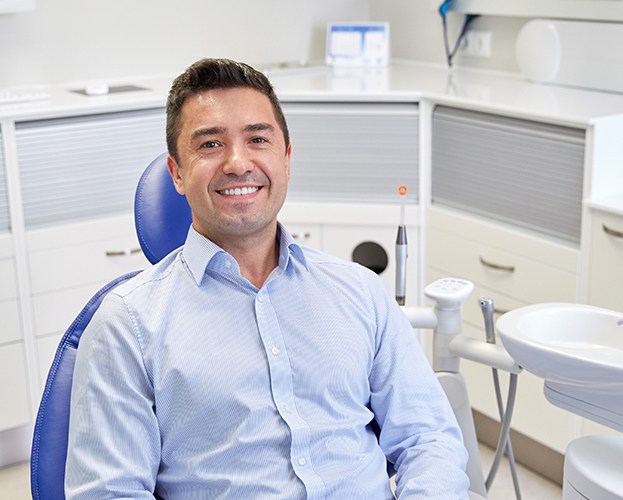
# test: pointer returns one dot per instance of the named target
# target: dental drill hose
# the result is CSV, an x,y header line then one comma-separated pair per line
x,y
504,443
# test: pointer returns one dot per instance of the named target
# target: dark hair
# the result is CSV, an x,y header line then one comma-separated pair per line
x,y
210,74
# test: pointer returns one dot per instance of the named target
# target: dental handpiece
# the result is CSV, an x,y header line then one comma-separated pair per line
x,y
401,252
486,306
401,265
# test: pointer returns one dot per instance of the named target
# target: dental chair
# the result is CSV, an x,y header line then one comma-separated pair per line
x,y
162,218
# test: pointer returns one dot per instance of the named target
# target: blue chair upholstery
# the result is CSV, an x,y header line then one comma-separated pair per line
x,y
162,218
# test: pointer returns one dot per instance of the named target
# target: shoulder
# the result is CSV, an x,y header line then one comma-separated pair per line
x,y
352,279
152,277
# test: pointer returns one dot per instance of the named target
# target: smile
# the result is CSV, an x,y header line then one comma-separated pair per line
x,y
240,191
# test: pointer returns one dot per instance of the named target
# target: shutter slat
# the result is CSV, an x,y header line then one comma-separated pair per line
x,y
89,166
361,154
524,173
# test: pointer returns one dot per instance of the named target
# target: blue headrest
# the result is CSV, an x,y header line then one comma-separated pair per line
x,y
161,215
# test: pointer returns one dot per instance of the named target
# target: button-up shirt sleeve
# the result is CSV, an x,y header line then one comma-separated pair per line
x,y
419,433
114,438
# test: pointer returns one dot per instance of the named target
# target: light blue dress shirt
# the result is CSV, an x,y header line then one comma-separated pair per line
x,y
192,382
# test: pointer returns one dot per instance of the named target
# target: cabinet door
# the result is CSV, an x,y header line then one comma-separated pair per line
x,y
4,201
353,152
14,406
11,329
606,261
526,174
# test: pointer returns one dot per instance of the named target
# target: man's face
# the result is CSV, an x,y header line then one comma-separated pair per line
x,y
233,164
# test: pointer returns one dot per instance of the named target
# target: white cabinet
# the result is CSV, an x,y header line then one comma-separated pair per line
x,y
68,263
11,330
606,261
14,396
506,213
74,179
514,269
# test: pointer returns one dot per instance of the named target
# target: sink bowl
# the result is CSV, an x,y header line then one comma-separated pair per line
x,y
570,344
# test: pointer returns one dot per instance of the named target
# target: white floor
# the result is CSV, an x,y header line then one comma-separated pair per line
x,y
15,482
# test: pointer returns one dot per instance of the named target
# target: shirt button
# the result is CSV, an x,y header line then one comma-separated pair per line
x,y
275,350
260,298
228,264
302,461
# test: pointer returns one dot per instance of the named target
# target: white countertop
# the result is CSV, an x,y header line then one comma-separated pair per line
x,y
401,82
484,91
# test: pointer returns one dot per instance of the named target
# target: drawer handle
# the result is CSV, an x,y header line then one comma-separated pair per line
x,y
612,232
121,253
497,267
302,236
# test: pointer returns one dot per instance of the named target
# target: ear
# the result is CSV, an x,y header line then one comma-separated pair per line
x,y
175,172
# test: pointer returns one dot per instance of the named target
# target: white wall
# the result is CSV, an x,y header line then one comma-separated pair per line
x,y
417,34
75,40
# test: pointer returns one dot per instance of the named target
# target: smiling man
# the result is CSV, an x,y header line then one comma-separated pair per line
x,y
245,365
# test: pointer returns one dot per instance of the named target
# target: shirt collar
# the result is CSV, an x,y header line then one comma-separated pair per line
x,y
199,252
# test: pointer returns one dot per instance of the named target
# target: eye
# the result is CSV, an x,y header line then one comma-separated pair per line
x,y
259,140
210,144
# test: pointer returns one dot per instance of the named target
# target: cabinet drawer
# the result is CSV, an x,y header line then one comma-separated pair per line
x,y
93,258
55,311
8,290
4,199
14,406
306,234
606,261
11,324
505,262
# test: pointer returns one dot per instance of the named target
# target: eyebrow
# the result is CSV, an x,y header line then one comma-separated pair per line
x,y
207,131
252,127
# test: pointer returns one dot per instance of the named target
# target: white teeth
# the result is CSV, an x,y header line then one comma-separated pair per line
x,y
240,191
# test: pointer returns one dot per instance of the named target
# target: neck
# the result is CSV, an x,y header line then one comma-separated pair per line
x,y
256,257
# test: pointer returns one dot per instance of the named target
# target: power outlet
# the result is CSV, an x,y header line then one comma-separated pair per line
x,y
476,43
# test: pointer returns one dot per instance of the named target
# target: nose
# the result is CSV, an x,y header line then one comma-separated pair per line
x,y
238,161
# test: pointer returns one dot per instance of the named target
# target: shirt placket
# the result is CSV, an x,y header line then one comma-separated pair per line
x,y
282,389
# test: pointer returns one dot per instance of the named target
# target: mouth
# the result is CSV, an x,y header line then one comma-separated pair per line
x,y
239,191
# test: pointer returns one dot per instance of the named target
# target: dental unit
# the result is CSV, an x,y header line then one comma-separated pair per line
x,y
449,345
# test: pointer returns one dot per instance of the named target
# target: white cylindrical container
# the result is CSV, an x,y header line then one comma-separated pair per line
x,y
574,53
594,469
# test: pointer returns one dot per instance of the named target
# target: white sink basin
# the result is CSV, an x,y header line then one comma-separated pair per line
x,y
570,344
